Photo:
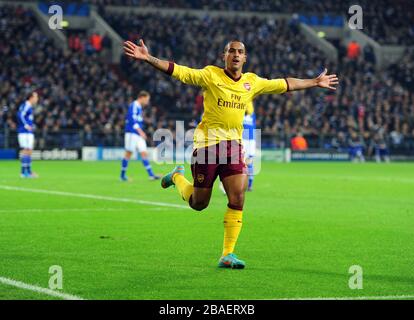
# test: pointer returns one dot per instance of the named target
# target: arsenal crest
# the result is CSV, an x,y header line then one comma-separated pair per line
x,y
200,178
247,86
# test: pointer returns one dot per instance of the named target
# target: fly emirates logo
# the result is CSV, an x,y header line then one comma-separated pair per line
x,y
233,103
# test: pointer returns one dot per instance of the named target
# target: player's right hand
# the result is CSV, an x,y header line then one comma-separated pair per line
x,y
138,52
142,133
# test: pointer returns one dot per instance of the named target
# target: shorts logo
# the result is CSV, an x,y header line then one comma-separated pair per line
x,y
247,86
200,178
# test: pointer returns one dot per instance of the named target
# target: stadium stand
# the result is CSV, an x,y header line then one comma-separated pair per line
x,y
386,21
403,71
84,99
276,49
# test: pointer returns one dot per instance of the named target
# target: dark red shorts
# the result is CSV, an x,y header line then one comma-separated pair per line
x,y
223,159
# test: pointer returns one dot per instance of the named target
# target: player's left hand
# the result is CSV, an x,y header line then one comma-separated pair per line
x,y
327,81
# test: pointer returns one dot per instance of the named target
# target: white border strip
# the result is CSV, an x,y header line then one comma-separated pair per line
x,y
49,292
96,197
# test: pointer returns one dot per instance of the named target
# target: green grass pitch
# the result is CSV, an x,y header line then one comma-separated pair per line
x,y
305,224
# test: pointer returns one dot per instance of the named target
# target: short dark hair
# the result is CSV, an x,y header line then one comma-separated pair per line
x,y
226,47
143,93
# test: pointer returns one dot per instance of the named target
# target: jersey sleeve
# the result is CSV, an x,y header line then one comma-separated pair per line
x,y
195,77
137,117
22,117
24,114
273,86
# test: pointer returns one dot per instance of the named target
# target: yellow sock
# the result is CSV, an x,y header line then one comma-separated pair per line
x,y
232,227
184,187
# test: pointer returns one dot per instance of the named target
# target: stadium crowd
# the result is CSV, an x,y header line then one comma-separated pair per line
x,y
367,103
403,70
389,22
386,21
82,95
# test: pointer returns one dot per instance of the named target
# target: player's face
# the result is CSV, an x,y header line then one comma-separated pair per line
x,y
235,56
145,101
34,99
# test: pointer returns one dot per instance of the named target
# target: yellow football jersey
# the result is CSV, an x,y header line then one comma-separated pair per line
x,y
225,100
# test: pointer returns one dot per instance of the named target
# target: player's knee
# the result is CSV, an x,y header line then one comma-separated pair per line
x,y
237,199
128,155
199,205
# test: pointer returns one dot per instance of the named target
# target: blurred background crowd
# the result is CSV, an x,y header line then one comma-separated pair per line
x,y
84,98
387,21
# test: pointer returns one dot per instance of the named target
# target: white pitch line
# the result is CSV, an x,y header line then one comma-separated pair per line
x,y
49,292
353,298
96,197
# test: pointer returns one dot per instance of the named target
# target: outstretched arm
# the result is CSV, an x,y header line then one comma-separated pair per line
x,y
186,75
322,81
140,52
